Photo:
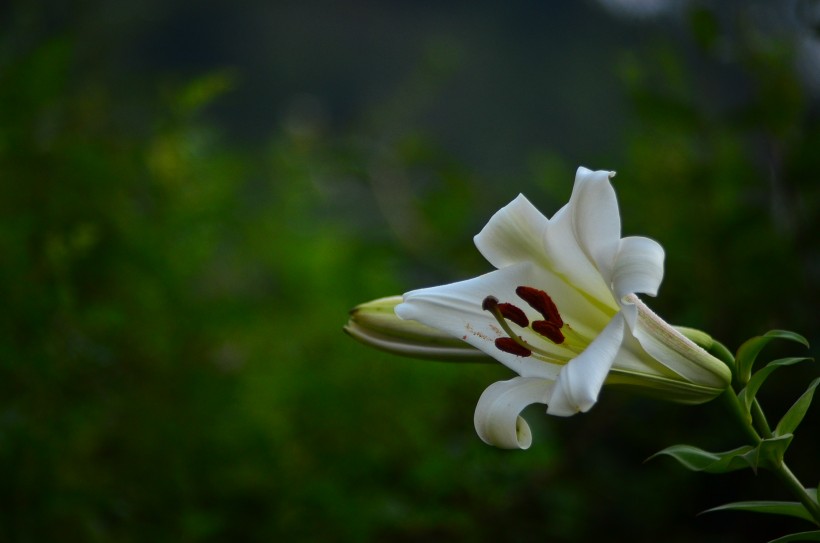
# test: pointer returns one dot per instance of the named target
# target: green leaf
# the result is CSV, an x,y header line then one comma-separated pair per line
x,y
747,395
794,416
789,509
802,536
696,459
769,452
747,353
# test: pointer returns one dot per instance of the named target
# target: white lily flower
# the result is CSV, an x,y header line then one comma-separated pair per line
x,y
561,311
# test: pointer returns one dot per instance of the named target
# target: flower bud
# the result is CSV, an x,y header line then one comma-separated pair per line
x,y
375,324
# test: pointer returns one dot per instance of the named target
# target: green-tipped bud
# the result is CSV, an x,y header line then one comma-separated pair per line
x,y
679,366
698,337
375,324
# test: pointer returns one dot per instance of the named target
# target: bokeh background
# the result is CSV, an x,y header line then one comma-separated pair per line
x,y
193,195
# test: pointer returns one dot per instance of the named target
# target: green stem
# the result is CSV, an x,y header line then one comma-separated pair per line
x,y
759,420
745,420
796,487
780,469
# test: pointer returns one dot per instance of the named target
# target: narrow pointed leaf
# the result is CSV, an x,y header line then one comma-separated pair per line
x,y
696,459
747,353
794,416
802,536
789,509
747,395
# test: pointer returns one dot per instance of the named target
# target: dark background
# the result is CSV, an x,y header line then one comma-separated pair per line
x,y
193,194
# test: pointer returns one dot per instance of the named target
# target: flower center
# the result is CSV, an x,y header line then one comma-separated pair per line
x,y
549,327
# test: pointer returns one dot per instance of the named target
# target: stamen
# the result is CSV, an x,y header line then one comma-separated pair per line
x,y
489,303
514,344
514,314
549,331
509,345
541,302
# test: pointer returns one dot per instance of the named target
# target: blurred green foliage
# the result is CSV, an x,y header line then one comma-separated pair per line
x,y
172,360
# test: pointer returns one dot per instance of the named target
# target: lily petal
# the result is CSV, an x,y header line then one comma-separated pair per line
x,y
675,351
582,237
514,234
456,310
596,219
497,416
581,380
638,267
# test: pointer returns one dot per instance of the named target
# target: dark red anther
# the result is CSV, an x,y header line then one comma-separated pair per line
x,y
489,303
549,331
514,314
509,345
541,302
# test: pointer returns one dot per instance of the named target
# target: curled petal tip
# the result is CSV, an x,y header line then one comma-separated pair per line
x,y
497,416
